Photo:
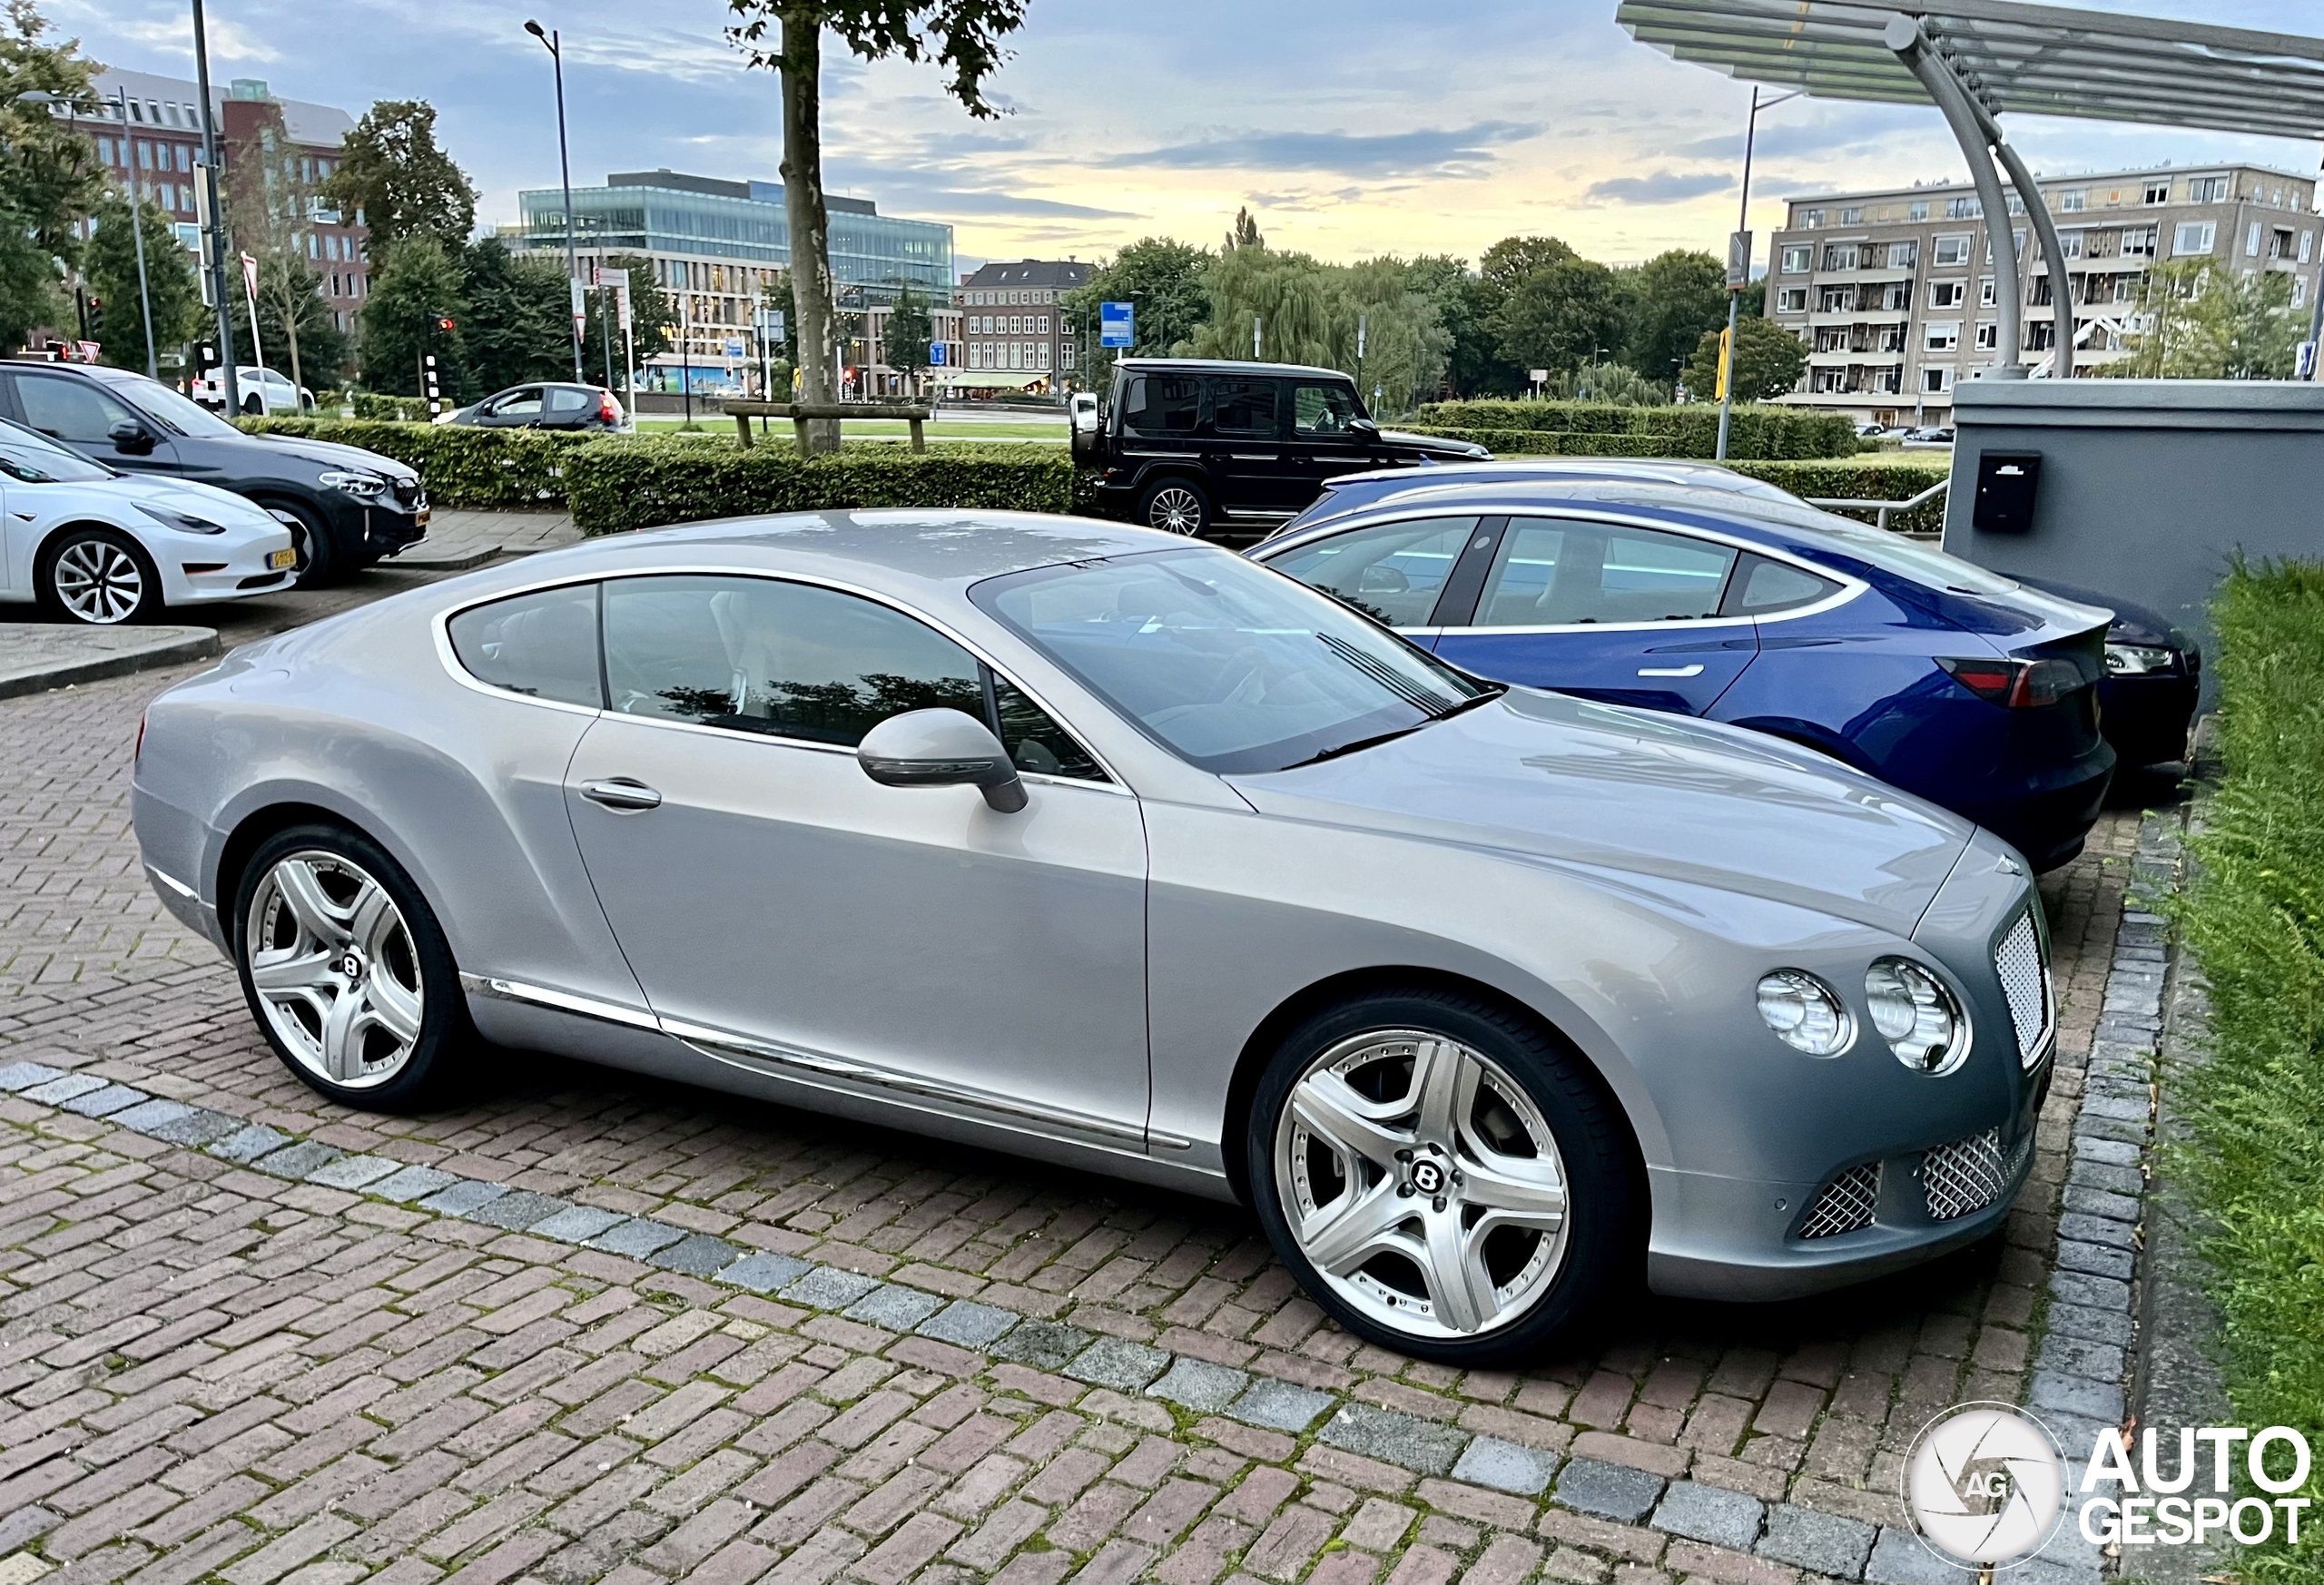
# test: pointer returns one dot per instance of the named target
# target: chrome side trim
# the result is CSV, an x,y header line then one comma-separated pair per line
x,y
174,883
587,1006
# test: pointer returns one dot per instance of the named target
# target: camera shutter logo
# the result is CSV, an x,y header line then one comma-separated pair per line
x,y
1986,1484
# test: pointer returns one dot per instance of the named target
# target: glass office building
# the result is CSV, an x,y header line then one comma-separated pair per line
x,y
717,245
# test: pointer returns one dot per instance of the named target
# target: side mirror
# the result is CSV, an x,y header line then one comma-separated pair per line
x,y
130,437
942,748
1364,427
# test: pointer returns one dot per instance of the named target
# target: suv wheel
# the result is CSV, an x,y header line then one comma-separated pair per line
x,y
1444,1178
100,577
1174,505
321,559
344,968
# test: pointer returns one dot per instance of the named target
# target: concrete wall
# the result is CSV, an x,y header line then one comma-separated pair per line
x,y
2147,487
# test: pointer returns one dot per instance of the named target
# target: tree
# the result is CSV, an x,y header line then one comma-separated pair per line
x,y
963,36
1617,383
514,319
903,344
395,180
416,287
1674,297
2203,322
1561,316
1513,261
1473,365
50,180
651,314
1768,360
110,262
1310,312
270,202
1244,233
1164,282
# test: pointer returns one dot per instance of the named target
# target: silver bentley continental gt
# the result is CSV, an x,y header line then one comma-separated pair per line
x,y
1086,842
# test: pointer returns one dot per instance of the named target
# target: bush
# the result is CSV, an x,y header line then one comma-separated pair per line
x,y
642,483
2254,916
1755,431
388,409
1553,442
1856,481
459,466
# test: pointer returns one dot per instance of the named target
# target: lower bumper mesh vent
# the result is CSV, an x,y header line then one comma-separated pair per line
x,y
1846,1205
1965,1175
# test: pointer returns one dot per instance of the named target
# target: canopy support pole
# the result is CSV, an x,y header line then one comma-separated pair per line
x,y
1919,57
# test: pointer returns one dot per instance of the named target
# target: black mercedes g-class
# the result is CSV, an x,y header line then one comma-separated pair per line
x,y
1192,445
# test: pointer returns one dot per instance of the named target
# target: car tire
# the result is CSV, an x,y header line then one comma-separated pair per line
x,y
346,970
1478,1238
1174,505
98,577
254,407
322,559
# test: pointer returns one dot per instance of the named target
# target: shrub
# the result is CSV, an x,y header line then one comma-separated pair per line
x,y
1854,481
373,405
642,483
1759,432
1553,442
459,466
2254,916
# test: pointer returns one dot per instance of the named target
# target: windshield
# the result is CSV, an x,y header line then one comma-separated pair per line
x,y
33,457
166,407
1232,667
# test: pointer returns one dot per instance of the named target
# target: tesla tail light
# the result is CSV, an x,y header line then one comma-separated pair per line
x,y
2014,685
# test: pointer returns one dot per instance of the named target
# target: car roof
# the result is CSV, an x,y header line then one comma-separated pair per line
x,y
1228,365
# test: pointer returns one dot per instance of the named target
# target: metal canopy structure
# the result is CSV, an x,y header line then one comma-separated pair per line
x,y
1976,60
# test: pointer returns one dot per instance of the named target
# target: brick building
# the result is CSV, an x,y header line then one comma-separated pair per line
x,y
1016,328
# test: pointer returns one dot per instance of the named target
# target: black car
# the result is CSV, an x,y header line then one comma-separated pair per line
x,y
346,507
545,405
1190,445
2154,677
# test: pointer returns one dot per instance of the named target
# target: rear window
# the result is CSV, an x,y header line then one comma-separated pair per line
x,y
1162,404
544,644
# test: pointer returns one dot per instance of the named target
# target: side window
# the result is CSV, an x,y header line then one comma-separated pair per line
x,y
1391,572
1553,572
543,644
564,400
1762,588
1162,404
1243,407
522,404
69,410
1319,410
1035,740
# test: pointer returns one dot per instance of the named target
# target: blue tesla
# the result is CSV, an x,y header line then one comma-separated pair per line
x,y
1943,679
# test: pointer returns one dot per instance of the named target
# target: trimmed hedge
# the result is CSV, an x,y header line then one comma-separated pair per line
x,y
1856,481
2254,1104
371,405
619,483
1757,431
460,467
1553,442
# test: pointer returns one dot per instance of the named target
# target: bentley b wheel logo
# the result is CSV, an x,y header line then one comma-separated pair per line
x,y
1428,1177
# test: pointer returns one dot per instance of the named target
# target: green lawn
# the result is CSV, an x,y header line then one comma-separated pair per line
x,y
873,428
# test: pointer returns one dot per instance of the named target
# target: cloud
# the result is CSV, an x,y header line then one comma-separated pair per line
x,y
227,40
1342,154
951,202
1662,187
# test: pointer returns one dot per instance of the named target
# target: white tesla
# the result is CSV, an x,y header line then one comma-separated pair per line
x,y
91,545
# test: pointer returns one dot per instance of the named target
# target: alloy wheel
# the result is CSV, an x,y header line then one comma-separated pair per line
x,y
332,964
1175,509
98,581
1422,1183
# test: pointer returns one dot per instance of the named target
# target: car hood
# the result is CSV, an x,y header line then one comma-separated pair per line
x,y
1435,445
190,496
331,454
1569,780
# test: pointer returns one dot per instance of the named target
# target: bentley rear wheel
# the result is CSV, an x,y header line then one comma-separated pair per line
x,y
1447,1179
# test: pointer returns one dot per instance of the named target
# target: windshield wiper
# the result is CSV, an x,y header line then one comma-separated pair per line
x,y
1484,698
1357,747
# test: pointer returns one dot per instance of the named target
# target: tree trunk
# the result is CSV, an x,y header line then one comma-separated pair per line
x,y
803,202
291,337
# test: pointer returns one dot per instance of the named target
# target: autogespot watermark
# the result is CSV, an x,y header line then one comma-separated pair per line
x,y
1988,1487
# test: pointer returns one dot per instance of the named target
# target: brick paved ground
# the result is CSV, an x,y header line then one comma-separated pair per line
x,y
209,1370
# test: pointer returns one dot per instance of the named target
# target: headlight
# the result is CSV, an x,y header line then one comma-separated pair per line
x,y
362,486
1806,1014
2136,660
185,522
1916,1016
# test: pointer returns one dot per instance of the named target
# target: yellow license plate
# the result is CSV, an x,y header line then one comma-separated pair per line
x,y
278,560
421,516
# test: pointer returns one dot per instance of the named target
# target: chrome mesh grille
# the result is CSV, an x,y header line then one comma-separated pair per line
x,y
1965,1175
1846,1203
2025,981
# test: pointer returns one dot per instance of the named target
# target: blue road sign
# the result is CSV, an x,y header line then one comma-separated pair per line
x,y
1114,322
936,354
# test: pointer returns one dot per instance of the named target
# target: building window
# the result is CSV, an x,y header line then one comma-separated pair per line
x,y
2017,240
1840,256
2193,237
2138,241
1986,292
1917,210
2307,242
1969,208
1947,294
1949,250
1852,216
2207,189
1792,299
1941,335
2069,244
2157,193
1811,219
2251,241
2075,200
1936,380
1988,336
1795,257
1904,255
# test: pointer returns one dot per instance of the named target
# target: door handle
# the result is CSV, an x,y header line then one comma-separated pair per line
x,y
621,793
1693,671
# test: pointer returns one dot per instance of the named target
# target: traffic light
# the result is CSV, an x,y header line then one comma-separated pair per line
x,y
445,324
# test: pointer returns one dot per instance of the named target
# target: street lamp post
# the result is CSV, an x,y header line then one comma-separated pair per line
x,y
229,384
565,171
1735,289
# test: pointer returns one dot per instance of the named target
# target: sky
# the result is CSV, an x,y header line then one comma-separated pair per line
x,y
1350,129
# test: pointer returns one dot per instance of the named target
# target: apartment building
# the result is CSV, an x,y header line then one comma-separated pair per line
x,y
1018,333
1894,291
154,149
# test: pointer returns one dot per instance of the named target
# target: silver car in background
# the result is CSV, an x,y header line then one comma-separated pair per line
x,y
1086,842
